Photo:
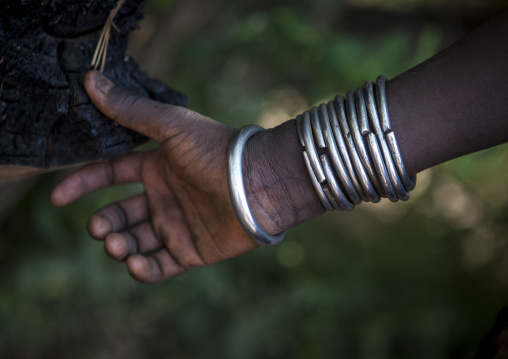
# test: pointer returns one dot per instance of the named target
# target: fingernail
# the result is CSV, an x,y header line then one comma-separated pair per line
x,y
102,83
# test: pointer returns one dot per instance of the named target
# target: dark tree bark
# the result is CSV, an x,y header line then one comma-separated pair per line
x,y
46,47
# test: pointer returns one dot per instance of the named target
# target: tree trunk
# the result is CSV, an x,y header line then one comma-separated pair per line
x,y
46,47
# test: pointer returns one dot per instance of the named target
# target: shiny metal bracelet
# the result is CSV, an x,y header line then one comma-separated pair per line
x,y
335,157
375,147
324,193
237,193
408,181
342,148
351,152
325,196
392,174
344,131
310,147
359,144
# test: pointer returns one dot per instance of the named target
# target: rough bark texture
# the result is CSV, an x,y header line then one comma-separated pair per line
x,y
46,46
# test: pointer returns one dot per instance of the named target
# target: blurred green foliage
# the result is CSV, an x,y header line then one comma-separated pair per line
x,y
422,279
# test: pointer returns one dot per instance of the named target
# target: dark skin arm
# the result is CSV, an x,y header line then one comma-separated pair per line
x,y
456,102
452,105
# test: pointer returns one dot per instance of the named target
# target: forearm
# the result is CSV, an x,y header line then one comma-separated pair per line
x,y
449,106
456,102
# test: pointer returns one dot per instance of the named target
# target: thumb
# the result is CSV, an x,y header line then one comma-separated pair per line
x,y
148,117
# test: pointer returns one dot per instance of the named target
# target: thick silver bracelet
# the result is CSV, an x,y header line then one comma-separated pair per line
x,y
237,192
357,157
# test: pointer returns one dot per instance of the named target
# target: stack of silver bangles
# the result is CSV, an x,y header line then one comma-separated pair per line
x,y
357,158
351,152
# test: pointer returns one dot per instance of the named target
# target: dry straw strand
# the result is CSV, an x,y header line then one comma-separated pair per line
x,y
101,51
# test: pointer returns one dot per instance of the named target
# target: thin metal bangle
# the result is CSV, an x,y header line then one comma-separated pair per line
x,y
316,127
370,191
317,186
329,195
335,156
237,192
360,146
298,121
375,151
342,147
382,103
323,191
334,186
408,181
390,167
311,148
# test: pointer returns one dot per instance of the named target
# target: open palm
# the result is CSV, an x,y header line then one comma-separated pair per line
x,y
184,218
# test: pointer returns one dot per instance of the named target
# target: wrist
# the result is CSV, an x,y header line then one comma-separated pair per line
x,y
278,186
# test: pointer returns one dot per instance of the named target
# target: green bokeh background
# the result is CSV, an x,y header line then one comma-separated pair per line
x,y
422,279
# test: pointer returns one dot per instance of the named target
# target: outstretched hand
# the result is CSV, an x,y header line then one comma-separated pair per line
x,y
184,218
